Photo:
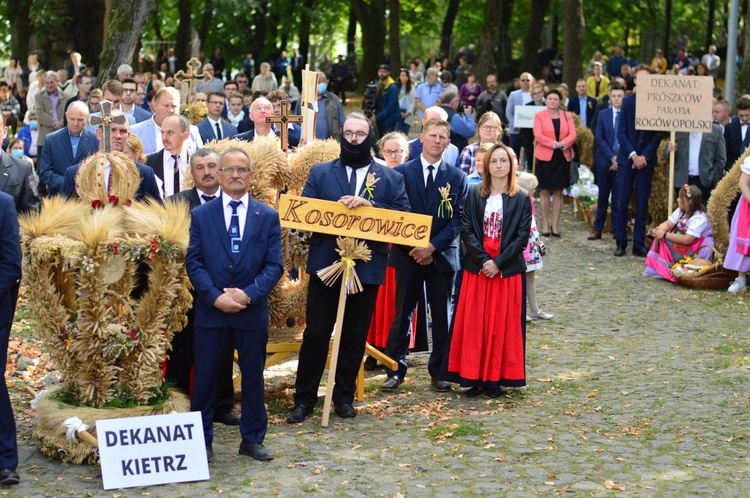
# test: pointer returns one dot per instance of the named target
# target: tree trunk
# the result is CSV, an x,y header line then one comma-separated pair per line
x,y
272,30
504,55
574,28
208,15
258,41
371,18
710,23
304,30
156,24
20,29
394,37
489,33
123,23
533,41
446,35
667,28
351,35
184,32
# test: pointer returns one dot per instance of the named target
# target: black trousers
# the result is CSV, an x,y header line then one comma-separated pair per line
x,y
322,304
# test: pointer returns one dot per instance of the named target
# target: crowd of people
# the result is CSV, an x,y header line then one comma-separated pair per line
x,y
470,170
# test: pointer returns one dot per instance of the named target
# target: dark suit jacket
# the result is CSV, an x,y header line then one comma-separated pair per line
x,y
445,230
605,138
211,267
711,158
329,181
513,238
44,113
10,264
190,196
147,188
631,140
292,136
17,180
733,139
208,134
574,106
57,156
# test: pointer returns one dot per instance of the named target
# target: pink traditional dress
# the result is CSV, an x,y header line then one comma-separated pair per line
x,y
664,253
738,252
532,254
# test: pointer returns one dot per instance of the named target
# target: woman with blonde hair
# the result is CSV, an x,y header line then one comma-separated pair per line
x,y
134,149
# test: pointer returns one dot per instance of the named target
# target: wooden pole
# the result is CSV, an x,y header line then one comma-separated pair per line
x,y
88,438
334,355
671,175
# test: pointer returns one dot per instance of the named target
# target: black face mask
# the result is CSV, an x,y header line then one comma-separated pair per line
x,y
356,156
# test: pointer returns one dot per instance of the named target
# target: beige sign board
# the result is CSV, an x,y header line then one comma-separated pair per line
x,y
674,103
334,218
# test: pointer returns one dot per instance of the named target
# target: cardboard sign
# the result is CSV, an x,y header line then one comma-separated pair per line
x,y
523,115
674,103
160,449
334,218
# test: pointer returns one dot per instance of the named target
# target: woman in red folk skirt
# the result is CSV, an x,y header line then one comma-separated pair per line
x,y
487,345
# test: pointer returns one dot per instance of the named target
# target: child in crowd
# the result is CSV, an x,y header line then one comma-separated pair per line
x,y
738,252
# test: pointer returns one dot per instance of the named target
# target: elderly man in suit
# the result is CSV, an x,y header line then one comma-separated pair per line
x,y
342,180
214,127
50,107
166,102
10,275
170,164
234,262
605,161
434,266
17,177
699,159
66,147
260,109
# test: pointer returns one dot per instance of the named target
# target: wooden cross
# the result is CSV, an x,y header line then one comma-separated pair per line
x,y
284,119
105,122
191,75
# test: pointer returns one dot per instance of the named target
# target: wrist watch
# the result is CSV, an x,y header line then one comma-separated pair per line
x,y
249,301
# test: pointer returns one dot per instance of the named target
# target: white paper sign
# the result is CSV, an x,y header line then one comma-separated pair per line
x,y
523,115
159,449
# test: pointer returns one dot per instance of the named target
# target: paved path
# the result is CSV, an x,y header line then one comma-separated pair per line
x,y
636,384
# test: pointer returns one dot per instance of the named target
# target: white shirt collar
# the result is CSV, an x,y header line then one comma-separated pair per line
x,y
225,200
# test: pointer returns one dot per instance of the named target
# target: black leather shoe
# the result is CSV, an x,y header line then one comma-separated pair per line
x,y
392,383
641,253
299,414
440,385
619,252
227,417
371,364
255,450
344,410
595,235
8,477
209,453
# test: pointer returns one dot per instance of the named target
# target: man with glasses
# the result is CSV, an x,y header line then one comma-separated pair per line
x,y
128,106
232,283
522,96
260,109
214,127
343,180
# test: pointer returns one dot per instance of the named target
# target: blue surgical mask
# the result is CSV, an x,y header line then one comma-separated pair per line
x,y
17,153
322,88
33,124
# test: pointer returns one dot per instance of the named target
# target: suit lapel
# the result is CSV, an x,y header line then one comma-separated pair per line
x,y
221,228
441,176
417,172
251,225
339,171
5,171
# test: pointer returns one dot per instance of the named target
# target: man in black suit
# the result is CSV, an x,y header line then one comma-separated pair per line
x,y
298,64
582,104
170,164
204,164
437,189
736,133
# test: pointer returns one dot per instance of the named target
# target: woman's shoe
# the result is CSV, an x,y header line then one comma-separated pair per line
x,y
474,392
556,234
494,392
541,315
545,234
737,286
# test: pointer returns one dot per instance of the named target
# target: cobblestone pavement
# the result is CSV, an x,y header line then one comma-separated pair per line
x,y
637,387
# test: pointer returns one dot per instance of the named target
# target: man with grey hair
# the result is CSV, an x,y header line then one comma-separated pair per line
x,y
266,81
206,86
428,93
522,96
124,71
450,154
50,107
170,164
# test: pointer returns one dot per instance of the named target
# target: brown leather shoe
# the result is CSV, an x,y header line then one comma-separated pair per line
x,y
595,235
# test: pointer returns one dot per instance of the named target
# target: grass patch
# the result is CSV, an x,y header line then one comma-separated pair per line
x,y
460,429
123,399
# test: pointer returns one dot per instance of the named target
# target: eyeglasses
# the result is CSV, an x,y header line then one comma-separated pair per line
x,y
351,134
387,152
488,128
216,102
237,169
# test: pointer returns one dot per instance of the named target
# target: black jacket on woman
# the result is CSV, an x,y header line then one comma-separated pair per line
x,y
513,238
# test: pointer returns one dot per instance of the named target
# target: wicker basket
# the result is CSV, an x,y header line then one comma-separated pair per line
x,y
588,216
713,277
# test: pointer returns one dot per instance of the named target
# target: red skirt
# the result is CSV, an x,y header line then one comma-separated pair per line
x,y
384,311
487,343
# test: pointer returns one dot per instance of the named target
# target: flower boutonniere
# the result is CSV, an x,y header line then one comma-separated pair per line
x,y
369,190
445,210
589,104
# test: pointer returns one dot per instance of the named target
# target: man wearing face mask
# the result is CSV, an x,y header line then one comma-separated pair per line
x,y
343,180
29,134
17,177
330,113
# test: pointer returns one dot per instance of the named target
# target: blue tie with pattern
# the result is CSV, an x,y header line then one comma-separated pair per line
x,y
234,230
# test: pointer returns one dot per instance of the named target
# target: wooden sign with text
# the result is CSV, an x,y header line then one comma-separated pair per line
x,y
674,103
334,218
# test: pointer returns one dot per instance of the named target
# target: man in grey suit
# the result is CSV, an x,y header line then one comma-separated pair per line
x,y
699,159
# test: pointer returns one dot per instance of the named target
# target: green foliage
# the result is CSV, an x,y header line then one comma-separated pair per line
x,y
123,399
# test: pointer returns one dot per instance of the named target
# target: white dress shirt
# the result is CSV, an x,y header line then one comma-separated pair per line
x,y
361,175
182,165
202,193
426,171
694,153
213,126
241,211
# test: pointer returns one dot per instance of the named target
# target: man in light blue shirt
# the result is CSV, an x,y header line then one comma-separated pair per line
x,y
428,93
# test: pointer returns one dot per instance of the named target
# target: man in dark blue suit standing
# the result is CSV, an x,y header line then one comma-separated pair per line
x,y
343,180
439,190
583,105
636,161
737,133
605,161
234,261
10,273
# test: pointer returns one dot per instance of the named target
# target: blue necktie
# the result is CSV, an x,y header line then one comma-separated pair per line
x,y
234,230
616,145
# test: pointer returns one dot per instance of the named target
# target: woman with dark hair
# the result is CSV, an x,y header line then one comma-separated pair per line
x,y
470,90
405,101
555,135
487,344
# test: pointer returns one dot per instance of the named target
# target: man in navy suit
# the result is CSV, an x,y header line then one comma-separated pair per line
x,y
10,274
434,266
127,104
234,261
66,147
635,164
582,102
118,137
736,133
605,160
343,180
260,109
214,127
